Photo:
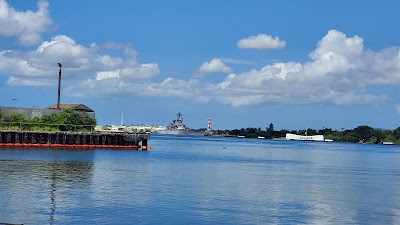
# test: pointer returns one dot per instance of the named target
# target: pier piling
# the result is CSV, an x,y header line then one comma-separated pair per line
x,y
73,139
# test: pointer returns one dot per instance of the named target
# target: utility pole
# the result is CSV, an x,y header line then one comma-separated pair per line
x,y
14,99
59,86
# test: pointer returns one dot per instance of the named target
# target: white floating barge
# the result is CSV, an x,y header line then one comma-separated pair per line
x,y
304,137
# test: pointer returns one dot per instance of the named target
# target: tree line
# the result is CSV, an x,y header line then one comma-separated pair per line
x,y
363,134
66,120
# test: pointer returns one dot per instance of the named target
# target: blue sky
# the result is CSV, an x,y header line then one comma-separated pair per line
x,y
296,64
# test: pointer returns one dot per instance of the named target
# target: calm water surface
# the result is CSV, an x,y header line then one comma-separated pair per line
x,y
200,180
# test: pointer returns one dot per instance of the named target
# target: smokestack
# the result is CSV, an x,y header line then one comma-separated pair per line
x,y
59,86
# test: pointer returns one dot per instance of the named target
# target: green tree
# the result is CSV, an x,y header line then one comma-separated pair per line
x,y
15,117
363,133
325,131
390,138
396,133
51,119
311,131
270,127
270,131
70,120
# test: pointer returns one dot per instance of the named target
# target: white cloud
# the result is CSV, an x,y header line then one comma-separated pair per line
x,y
339,72
172,87
262,41
65,50
25,26
80,63
109,61
169,87
214,66
144,71
335,43
16,81
101,75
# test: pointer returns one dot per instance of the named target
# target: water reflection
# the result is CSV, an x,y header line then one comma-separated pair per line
x,y
289,182
39,180
221,181
66,175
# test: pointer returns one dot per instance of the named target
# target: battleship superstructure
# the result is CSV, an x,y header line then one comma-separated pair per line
x,y
177,127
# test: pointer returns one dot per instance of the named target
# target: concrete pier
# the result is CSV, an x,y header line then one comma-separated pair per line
x,y
74,140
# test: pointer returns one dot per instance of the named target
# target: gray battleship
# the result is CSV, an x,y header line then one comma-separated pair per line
x,y
177,127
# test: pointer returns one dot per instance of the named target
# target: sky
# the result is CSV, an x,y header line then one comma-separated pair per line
x,y
296,64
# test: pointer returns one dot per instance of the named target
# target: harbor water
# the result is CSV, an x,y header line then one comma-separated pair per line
x,y
203,180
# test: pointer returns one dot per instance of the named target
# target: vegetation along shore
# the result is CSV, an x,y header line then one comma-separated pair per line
x,y
66,120
70,120
360,134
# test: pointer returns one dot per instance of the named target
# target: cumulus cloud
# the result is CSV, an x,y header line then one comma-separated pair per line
x,y
214,66
144,71
27,26
62,48
338,73
80,63
172,87
16,81
261,41
113,84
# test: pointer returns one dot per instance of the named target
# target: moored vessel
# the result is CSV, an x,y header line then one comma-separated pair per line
x,y
177,127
